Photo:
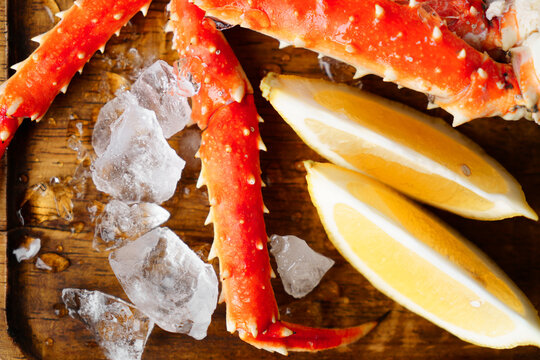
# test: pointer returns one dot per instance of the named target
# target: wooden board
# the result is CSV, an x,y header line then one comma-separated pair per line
x,y
29,327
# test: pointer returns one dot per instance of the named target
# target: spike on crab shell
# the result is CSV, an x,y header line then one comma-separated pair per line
x,y
360,73
253,329
260,144
64,88
14,106
213,252
39,38
431,106
61,14
231,326
265,209
209,218
18,65
168,27
459,120
238,93
284,44
4,135
102,49
144,9
201,181
259,118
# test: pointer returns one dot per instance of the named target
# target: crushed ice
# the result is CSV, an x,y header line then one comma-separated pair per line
x,y
119,328
120,222
138,164
28,249
300,267
166,280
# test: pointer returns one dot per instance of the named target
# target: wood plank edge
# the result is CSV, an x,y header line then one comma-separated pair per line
x,y
8,348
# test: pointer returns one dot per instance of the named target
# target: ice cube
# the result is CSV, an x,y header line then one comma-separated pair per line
x,y
300,268
119,328
108,115
157,89
166,280
138,164
28,249
120,222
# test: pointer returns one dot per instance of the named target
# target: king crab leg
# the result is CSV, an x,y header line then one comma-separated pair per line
x,y
64,50
225,110
390,40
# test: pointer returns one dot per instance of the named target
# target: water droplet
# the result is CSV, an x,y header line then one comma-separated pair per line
x,y
47,202
299,166
59,248
466,170
60,310
49,342
51,262
476,303
77,227
23,178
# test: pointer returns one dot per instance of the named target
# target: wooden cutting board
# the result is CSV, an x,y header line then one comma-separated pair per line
x,y
29,326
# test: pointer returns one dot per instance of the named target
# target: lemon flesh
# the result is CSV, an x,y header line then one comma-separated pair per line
x,y
418,155
419,262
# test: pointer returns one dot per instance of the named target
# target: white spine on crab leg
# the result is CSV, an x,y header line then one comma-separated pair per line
x,y
201,180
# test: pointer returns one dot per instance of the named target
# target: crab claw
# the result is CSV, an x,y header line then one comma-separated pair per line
x,y
283,337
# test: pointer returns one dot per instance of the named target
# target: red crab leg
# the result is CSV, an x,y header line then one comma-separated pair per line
x,y
403,44
467,19
225,110
63,51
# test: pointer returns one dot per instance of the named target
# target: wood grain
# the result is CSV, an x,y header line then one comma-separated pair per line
x,y
344,298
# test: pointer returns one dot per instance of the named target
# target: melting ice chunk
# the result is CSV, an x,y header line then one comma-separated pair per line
x,y
158,89
120,222
28,249
138,164
108,115
300,268
166,280
119,328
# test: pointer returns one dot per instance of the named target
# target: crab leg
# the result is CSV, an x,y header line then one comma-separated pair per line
x,y
62,51
403,44
225,110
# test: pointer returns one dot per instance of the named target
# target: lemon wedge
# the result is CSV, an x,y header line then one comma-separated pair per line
x,y
419,262
421,156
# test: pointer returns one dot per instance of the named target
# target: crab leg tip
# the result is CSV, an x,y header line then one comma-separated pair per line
x,y
265,209
260,119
